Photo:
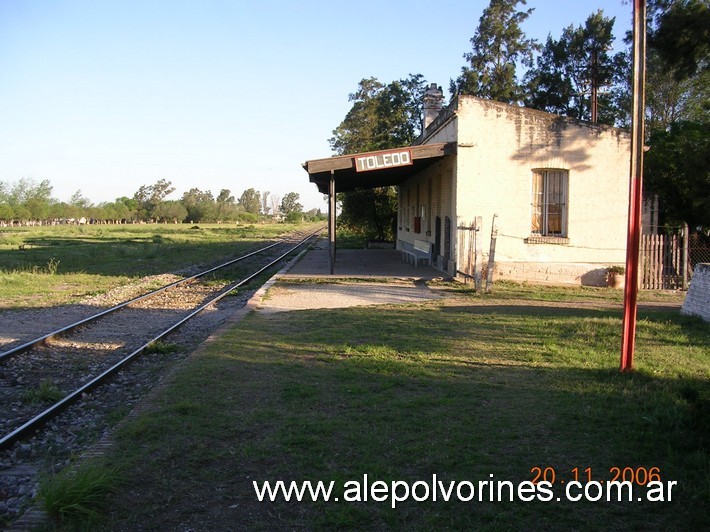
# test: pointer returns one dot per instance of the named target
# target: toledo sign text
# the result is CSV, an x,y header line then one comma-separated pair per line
x,y
380,160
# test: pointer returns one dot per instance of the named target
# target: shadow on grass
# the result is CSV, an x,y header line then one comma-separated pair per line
x,y
403,394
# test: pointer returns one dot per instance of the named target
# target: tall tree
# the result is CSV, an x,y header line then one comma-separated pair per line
x,y
78,200
250,201
682,37
226,206
27,199
570,68
200,205
289,203
677,169
499,45
149,196
382,116
357,131
225,197
27,189
678,98
274,204
265,202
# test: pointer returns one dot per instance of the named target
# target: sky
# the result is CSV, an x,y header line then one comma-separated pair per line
x,y
104,96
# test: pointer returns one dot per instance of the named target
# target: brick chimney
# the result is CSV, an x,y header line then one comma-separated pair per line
x,y
433,104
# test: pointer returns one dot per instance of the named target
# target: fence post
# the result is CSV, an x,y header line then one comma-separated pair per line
x,y
491,255
686,264
477,260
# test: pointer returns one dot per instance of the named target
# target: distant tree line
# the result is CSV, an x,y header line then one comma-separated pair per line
x,y
561,77
28,202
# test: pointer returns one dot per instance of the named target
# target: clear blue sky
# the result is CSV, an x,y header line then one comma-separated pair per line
x,y
105,96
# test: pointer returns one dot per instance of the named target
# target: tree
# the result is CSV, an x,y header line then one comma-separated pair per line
x,y
676,166
6,212
225,197
677,75
170,211
265,202
37,208
116,211
131,206
289,204
149,196
356,132
226,206
79,201
382,116
371,212
250,201
569,68
275,204
27,189
315,215
682,37
200,206
27,199
498,46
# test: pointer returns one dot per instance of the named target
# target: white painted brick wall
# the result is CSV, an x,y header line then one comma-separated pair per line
x,y
499,147
697,300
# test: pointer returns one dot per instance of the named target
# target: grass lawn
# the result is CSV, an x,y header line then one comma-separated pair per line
x,y
44,266
463,388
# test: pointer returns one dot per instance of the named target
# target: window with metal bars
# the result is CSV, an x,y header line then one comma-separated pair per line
x,y
549,203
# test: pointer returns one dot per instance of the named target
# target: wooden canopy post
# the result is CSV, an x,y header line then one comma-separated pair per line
x,y
331,222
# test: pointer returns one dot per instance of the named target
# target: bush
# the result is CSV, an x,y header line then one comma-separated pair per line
x,y
295,217
248,217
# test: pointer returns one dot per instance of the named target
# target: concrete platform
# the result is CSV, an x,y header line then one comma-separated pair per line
x,y
393,281
286,297
359,263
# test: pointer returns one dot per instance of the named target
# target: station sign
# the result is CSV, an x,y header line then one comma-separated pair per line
x,y
367,162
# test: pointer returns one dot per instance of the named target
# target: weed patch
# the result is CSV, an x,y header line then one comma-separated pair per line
x,y
46,392
77,498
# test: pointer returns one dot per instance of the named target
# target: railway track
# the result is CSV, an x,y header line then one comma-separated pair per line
x,y
66,364
34,342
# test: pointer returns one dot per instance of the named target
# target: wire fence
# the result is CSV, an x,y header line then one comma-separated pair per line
x,y
698,250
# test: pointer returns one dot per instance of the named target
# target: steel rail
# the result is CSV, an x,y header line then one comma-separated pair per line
x,y
68,328
44,416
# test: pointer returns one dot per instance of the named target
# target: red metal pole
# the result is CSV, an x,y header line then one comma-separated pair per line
x,y
628,339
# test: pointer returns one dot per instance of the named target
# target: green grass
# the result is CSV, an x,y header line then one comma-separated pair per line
x,y
554,293
42,266
348,239
76,499
465,388
45,392
161,348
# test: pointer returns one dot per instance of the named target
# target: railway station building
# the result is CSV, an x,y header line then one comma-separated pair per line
x,y
545,196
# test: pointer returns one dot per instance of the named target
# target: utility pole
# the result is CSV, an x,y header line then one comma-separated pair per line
x,y
633,239
595,83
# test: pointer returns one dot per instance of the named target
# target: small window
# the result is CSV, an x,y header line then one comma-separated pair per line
x,y
549,203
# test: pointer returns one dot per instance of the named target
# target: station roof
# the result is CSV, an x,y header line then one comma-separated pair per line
x,y
375,169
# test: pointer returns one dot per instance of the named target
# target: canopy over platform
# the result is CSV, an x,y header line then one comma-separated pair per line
x,y
369,170
374,169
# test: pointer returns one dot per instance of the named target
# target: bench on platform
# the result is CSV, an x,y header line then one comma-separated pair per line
x,y
420,251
